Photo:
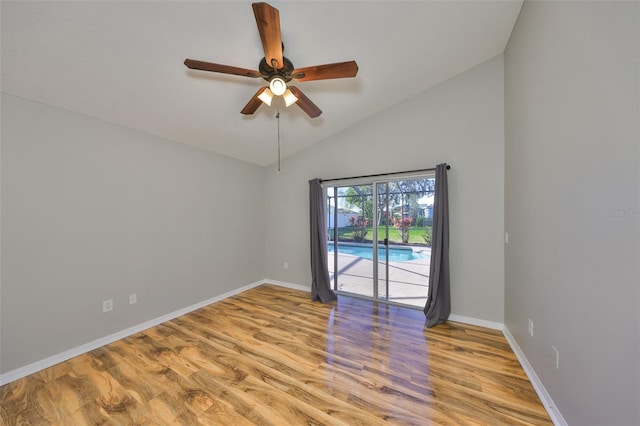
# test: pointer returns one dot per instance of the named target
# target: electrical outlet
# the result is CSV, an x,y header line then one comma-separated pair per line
x,y
285,265
107,305
530,327
133,299
557,354
506,238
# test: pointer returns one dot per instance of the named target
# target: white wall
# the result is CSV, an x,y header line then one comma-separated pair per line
x,y
92,211
459,122
572,203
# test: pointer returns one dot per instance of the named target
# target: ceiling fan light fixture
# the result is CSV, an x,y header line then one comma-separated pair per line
x,y
289,98
266,96
278,86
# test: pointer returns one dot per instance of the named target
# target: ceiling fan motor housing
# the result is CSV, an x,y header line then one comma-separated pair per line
x,y
268,72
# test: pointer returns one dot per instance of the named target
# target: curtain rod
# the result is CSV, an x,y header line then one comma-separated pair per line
x,y
381,174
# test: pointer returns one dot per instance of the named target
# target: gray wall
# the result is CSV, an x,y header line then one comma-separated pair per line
x,y
461,122
92,211
572,203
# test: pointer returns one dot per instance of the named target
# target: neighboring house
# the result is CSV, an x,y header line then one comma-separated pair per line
x,y
343,216
426,206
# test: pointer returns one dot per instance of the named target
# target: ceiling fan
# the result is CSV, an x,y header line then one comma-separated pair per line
x,y
276,69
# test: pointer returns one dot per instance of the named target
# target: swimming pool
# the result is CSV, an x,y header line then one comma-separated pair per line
x,y
366,252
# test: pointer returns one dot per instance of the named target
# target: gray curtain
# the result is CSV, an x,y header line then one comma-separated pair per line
x,y
438,305
320,283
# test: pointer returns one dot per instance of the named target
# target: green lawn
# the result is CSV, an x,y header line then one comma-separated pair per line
x,y
415,234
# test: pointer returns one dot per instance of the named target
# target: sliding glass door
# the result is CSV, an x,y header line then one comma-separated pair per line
x,y
350,234
379,237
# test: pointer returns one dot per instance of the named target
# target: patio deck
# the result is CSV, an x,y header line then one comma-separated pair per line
x,y
408,280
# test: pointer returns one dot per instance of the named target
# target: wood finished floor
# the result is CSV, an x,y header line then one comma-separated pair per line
x,y
269,356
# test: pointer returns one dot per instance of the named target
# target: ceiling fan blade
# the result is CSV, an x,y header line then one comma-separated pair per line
x,y
305,103
225,69
325,72
268,21
253,103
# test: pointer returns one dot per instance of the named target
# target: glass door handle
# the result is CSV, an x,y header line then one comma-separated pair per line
x,y
386,241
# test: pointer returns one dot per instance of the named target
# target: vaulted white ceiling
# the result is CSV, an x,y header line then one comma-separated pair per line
x,y
122,62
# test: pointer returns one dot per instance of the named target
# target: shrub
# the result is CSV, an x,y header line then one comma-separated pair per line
x,y
360,226
403,224
427,236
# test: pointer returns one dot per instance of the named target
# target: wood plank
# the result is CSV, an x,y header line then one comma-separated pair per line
x,y
270,356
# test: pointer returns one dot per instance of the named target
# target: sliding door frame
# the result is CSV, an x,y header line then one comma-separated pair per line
x,y
374,181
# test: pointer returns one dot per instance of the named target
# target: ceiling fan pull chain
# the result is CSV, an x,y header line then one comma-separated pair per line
x,y
278,118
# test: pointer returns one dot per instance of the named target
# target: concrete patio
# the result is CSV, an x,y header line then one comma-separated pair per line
x,y
408,280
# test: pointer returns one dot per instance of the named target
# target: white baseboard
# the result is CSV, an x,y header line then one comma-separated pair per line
x,y
34,367
547,402
288,285
476,321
